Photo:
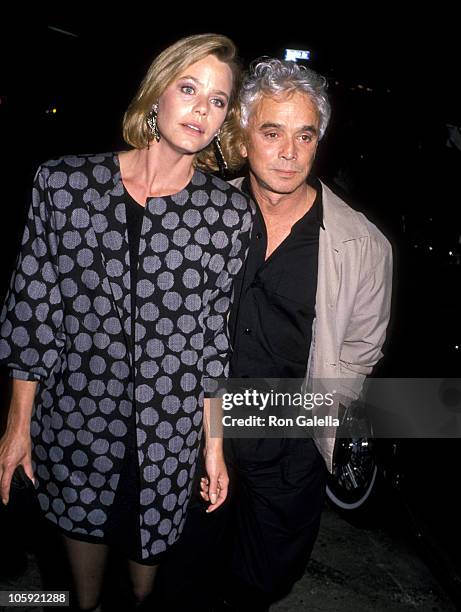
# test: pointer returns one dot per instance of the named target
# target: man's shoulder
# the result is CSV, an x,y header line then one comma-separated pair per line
x,y
346,223
237,182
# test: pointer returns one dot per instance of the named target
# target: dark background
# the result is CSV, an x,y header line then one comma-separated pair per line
x,y
394,86
393,83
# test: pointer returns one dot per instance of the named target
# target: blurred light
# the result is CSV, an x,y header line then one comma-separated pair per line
x,y
360,86
51,111
450,253
457,347
369,89
292,55
430,248
61,31
416,246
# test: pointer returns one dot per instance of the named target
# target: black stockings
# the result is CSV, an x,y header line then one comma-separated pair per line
x,y
88,563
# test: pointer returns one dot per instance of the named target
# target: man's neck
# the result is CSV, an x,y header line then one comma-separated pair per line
x,y
282,207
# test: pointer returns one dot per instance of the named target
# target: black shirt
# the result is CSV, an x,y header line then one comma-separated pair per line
x,y
274,305
123,518
134,217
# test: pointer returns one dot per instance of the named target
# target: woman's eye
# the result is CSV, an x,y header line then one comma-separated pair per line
x,y
218,102
187,89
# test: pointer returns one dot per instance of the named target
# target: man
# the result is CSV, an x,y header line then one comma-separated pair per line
x,y
313,303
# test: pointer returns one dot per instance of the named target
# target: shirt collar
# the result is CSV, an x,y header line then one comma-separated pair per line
x,y
313,181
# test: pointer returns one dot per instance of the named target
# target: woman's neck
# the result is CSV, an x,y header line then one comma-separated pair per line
x,y
155,171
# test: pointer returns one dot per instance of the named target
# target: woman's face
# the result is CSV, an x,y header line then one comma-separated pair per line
x,y
193,107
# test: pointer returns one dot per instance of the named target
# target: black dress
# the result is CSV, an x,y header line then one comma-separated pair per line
x,y
123,522
122,526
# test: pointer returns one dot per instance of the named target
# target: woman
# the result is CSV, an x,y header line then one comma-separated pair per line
x,y
117,314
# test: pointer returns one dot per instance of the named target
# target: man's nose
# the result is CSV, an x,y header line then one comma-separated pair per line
x,y
289,150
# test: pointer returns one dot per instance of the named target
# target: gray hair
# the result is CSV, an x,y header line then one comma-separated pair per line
x,y
273,76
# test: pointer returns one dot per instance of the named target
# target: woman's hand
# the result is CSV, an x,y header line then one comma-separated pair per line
x,y
15,449
16,444
215,466
214,487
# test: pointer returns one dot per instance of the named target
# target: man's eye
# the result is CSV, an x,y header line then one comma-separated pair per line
x,y
306,137
187,89
271,135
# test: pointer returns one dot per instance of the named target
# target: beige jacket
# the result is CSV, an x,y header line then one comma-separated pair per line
x,y
352,302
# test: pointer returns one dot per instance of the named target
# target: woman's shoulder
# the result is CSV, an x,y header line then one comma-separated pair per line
x,y
222,193
83,163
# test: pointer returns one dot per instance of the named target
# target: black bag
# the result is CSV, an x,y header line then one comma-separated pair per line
x,y
17,524
22,491
20,479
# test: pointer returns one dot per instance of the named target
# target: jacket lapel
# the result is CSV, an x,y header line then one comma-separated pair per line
x,y
341,226
108,219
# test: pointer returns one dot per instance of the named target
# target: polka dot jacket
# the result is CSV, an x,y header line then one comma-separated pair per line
x,y
67,323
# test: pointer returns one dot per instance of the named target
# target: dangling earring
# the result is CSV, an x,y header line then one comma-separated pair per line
x,y
219,154
151,120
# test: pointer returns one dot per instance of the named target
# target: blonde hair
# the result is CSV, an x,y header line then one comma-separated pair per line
x,y
165,68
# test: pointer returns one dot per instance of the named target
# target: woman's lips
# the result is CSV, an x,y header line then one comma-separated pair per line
x,y
194,128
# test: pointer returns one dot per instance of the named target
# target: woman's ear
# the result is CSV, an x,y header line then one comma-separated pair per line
x,y
243,148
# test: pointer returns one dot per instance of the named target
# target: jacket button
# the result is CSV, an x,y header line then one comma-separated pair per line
x,y
258,236
247,331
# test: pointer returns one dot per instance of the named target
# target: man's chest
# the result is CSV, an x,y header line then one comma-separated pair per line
x,y
276,235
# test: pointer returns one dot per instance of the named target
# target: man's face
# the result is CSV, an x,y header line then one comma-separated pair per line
x,y
281,141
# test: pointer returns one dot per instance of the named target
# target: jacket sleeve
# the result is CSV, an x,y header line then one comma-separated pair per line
x,y
31,322
366,331
217,310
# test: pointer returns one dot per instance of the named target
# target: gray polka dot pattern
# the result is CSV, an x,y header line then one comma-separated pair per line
x,y
67,323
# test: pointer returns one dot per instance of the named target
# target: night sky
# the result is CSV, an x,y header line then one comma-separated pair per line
x,y
416,57
387,139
